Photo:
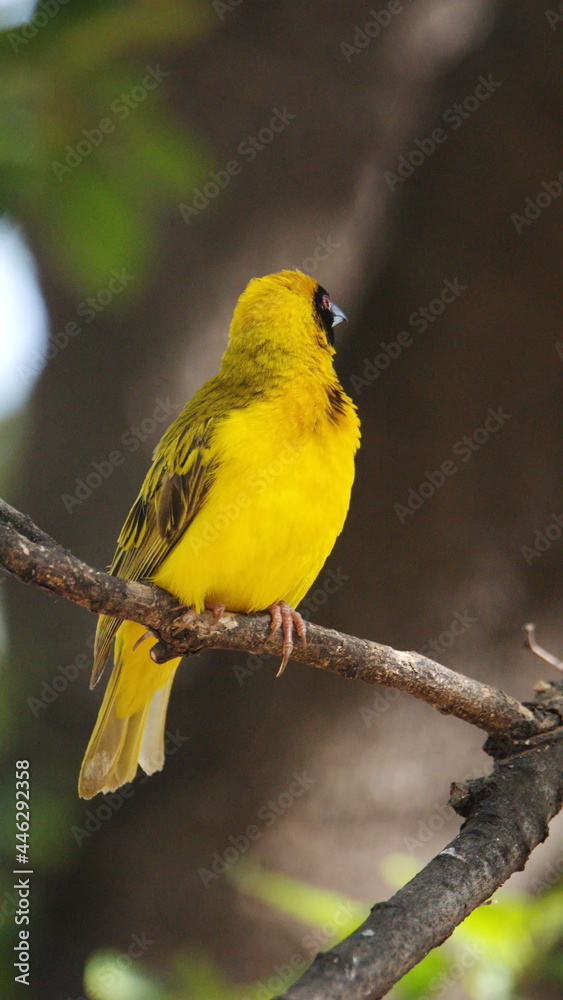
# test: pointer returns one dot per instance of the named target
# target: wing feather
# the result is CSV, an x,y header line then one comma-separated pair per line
x,y
173,492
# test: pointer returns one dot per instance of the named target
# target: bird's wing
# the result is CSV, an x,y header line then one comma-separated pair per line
x,y
173,492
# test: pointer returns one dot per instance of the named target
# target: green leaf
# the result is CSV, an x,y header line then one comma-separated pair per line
x,y
94,231
307,903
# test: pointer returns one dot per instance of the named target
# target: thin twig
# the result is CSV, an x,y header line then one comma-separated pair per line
x,y
530,630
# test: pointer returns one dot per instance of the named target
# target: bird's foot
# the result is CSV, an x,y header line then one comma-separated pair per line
x,y
218,611
146,635
285,618
187,619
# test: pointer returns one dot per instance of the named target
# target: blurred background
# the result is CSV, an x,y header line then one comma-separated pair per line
x,y
154,156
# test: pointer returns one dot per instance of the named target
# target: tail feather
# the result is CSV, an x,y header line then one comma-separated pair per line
x,y
131,721
151,751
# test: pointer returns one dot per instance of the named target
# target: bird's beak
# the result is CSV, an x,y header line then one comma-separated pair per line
x,y
337,315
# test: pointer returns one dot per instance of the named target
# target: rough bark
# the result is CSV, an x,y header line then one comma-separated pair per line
x,y
34,558
498,835
507,816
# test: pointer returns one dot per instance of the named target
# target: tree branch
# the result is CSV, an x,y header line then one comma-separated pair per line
x,y
507,817
33,557
506,814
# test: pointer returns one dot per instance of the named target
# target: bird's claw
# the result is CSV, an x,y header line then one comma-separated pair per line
x,y
285,618
146,635
185,620
218,611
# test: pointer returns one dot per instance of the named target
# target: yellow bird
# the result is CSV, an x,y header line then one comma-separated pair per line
x,y
248,490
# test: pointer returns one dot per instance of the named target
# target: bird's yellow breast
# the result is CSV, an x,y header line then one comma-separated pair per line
x,y
277,503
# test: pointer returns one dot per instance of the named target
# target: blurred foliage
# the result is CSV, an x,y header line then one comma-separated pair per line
x,y
510,941
99,194
327,918
309,904
92,196
89,152
500,947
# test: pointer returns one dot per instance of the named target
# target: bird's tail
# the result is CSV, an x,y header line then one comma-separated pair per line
x,y
130,726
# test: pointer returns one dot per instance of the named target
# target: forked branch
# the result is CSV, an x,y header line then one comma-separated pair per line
x,y
507,814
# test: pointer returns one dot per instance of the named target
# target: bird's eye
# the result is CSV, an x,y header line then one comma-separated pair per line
x,y
323,308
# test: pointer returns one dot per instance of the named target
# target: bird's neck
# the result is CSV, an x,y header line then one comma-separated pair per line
x,y
279,368
303,390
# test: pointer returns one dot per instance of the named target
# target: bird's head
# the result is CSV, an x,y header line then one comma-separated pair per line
x,y
287,313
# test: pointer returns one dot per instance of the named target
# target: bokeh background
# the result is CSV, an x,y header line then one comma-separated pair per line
x,y
125,240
